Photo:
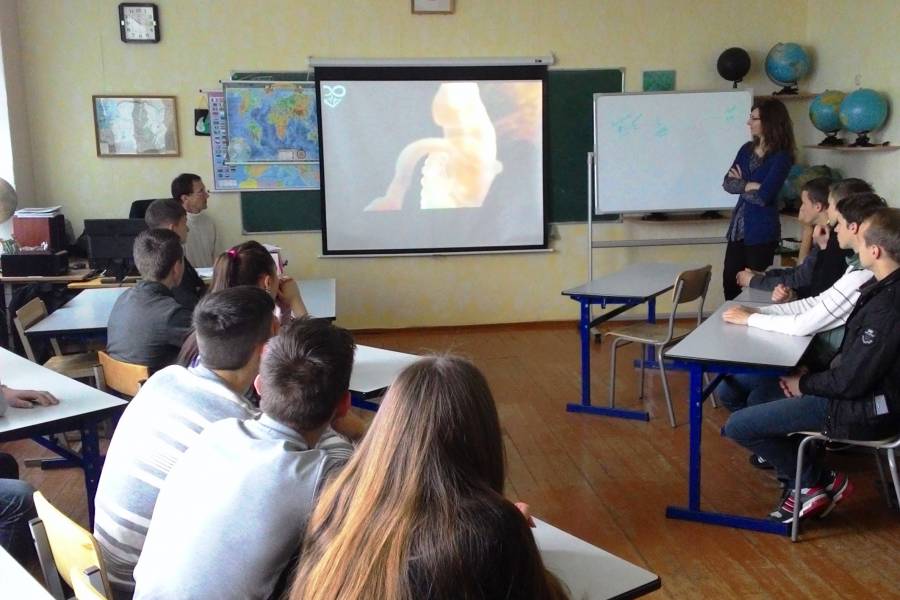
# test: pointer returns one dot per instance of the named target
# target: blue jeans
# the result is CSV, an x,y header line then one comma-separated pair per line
x,y
764,429
16,509
736,392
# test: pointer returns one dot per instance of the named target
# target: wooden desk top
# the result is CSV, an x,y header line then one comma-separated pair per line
x,y
72,275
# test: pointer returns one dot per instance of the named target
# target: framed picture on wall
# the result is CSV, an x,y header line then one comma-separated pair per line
x,y
136,126
433,7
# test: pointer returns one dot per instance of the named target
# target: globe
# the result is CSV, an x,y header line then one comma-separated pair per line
x,y
733,64
8,200
862,111
789,190
786,64
824,112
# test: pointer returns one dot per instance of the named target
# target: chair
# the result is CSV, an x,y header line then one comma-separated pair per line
x,y
122,377
139,208
82,364
689,286
64,546
84,583
890,444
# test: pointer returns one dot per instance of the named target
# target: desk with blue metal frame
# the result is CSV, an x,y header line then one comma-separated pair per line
x,y
634,285
722,348
80,407
374,369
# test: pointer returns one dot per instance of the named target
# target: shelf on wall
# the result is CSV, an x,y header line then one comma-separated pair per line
x,y
888,148
798,96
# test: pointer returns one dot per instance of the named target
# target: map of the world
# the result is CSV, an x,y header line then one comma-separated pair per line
x,y
229,177
271,122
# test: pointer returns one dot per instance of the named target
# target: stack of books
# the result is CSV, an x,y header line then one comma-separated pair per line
x,y
42,212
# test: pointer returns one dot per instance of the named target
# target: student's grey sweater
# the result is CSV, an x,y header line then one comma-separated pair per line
x,y
159,425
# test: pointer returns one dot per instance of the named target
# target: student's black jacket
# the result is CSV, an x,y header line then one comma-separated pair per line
x,y
867,367
188,292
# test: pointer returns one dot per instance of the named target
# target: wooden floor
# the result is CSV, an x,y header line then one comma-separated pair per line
x,y
608,480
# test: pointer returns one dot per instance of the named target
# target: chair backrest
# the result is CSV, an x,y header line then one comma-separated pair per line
x,y
83,587
73,547
689,286
139,208
125,378
32,312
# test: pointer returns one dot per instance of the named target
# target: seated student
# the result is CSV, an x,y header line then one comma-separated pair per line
x,y
824,315
251,264
167,213
858,397
16,504
826,261
251,485
146,325
169,413
200,247
419,511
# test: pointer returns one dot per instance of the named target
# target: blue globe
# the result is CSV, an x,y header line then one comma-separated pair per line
x,y
825,109
789,189
863,110
787,63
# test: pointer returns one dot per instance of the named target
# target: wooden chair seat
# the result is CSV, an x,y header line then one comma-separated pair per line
x,y
74,365
649,333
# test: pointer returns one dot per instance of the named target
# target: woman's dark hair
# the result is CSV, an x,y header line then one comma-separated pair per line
x,y
243,264
777,128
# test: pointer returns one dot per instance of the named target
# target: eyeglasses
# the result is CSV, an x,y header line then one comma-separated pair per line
x,y
752,118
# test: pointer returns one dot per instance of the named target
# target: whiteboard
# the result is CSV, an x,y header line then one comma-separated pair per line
x,y
667,151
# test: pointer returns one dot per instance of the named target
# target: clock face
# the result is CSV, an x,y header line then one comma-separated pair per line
x,y
138,23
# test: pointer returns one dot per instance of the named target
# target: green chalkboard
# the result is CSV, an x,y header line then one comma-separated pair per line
x,y
571,138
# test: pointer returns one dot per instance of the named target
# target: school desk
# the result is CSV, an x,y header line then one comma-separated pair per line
x,y
80,407
722,348
632,286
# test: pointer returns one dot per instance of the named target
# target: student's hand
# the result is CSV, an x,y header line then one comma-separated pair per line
x,y
526,512
288,298
821,233
735,172
752,186
28,398
782,293
738,315
743,278
790,385
351,427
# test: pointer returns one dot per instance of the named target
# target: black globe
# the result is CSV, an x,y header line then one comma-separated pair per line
x,y
733,64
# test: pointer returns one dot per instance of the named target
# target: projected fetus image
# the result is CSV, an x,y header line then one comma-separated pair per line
x,y
460,167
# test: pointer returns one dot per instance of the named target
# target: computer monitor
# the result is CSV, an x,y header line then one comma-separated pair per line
x,y
110,244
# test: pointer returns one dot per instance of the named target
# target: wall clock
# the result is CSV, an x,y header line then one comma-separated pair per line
x,y
139,22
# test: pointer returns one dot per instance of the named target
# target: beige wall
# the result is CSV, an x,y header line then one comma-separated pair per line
x,y
853,39
71,50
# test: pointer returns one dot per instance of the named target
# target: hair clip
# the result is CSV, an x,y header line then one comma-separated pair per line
x,y
232,253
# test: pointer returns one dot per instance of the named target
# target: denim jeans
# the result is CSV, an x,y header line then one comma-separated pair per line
x,y
764,429
740,391
16,509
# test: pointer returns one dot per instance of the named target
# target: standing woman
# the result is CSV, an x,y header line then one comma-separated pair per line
x,y
757,174
418,512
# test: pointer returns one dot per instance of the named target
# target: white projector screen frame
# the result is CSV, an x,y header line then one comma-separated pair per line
x,y
382,130
668,151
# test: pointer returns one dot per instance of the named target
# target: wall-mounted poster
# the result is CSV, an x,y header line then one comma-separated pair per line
x,y
136,126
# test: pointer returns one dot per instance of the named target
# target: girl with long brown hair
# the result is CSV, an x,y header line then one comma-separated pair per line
x,y
756,175
419,511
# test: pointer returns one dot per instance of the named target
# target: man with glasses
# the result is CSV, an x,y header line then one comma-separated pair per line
x,y
200,248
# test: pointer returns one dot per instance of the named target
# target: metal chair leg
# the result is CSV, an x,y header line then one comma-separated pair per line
x,y
643,360
892,463
665,384
882,477
795,523
612,372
